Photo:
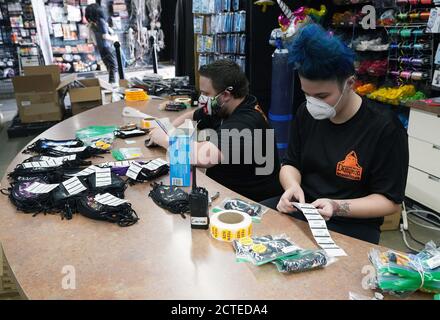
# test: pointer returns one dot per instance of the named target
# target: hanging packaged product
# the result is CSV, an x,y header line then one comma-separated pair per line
x,y
261,250
170,198
303,260
254,210
106,207
127,153
402,274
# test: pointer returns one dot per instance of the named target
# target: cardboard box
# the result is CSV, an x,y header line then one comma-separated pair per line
x,y
89,96
38,93
392,222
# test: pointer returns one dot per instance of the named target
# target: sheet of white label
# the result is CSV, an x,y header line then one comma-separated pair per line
x,y
318,226
133,170
86,172
136,131
109,200
40,188
103,177
125,163
74,186
70,150
154,164
59,159
56,143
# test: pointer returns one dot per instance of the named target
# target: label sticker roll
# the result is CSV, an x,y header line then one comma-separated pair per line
x,y
230,225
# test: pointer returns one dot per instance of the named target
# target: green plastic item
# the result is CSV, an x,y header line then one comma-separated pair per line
x,y
437,296
91,134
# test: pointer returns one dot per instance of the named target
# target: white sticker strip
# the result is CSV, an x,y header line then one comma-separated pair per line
x,y
109,200
133,170
70,150
125,163
86,172
103,177
59,159
154,164
59,143
136,131
74,186
40,188
318,226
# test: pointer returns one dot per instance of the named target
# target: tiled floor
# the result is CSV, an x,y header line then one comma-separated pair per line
x,y
10,147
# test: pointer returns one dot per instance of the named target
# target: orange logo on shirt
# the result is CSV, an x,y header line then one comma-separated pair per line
x,y
349,168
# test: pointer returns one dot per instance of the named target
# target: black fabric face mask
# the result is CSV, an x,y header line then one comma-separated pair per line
x,y
116,188
148,175
66,203
123,214
52,174
42,144
88,152
28,202
170,198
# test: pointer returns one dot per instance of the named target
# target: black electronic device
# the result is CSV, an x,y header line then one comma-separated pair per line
x,y
198,205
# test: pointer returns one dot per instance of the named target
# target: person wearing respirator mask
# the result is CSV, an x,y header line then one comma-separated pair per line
x,y
346,156
226,106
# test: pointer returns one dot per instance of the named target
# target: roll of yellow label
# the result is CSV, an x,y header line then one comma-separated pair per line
x,y
185,101
135,94
230,225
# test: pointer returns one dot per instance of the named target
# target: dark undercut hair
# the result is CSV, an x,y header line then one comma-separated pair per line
x,y
224,74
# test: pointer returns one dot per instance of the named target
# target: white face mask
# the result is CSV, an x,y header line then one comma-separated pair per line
x,y
320,109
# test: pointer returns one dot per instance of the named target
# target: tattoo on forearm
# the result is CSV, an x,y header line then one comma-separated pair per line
x,y
343,209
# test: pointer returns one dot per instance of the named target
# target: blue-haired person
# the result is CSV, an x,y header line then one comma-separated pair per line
x,y
346,155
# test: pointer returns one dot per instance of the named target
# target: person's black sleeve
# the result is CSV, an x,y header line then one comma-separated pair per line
x,y
204,121
293,153
390,168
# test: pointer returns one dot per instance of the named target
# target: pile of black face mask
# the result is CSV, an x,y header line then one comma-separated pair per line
x,y
170,198
122,214
41,145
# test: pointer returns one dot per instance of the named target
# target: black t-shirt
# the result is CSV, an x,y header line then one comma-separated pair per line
x,y
239,174
365,155
101,28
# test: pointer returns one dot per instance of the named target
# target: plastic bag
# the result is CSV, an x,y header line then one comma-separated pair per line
x,y
398,273
261,250
92,134
254,210
303,260
127,154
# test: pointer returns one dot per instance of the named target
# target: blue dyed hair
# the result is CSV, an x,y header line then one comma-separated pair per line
x,y
319,55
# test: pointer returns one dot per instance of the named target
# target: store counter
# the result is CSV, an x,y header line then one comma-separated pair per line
x,y
160,257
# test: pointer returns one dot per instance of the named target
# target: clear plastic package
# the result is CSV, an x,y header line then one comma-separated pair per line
x,y
261,250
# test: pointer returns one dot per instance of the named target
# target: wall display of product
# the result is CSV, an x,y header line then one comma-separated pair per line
x,y
135,22
70,37
219,31
394,60
18,37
